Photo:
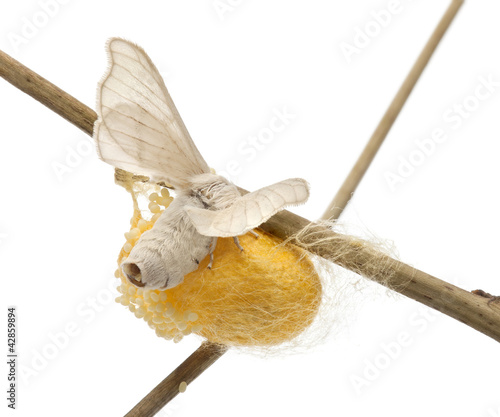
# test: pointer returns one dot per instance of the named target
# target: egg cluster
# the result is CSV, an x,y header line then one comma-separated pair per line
x,y
157,308
263,296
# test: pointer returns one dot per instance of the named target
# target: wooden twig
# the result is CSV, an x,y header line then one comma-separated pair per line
x,y
47,93
359,169
186,372
471,309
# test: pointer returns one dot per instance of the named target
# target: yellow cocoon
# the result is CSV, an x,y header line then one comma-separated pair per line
x,y
263,296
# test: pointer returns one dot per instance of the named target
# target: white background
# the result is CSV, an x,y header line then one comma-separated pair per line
x,y
227,71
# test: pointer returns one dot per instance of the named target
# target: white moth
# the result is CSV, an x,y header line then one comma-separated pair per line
x,y
139,130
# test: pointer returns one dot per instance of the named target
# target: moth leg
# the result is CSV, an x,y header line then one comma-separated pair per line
x,y
237,243
212,248
254,234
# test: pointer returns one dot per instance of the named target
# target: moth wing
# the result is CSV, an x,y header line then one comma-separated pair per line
x,y
249,211
138,128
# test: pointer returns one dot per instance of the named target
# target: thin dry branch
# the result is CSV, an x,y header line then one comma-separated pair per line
x,y
186,372
47,93
471,309
364,161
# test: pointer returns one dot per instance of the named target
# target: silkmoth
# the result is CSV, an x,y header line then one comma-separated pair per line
x,y
138,129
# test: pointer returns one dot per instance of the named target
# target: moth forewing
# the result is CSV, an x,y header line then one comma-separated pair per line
x,y
250,210
138,128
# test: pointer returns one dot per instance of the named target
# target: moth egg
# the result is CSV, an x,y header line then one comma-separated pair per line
x,y
163,297
192,317
160,308
165,193
132,234
182,386
151,307
186,332
157,320
167,325
142,225
165,201
197,328
155,217
178,316
127,247
117,273
148,316
153,207
170,310
153,197
118,299
155,297
131,307
140,291
182,325
139,301
177,338
131,291
168,319
140,313
164,334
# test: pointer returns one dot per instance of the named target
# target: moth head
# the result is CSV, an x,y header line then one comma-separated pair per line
x,y
208,184
215,190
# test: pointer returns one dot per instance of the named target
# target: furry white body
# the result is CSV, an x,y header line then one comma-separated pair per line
x,y
173,247
138,129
